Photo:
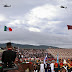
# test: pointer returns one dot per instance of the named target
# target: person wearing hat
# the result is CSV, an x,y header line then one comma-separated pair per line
x,y
52,66
61,64
45,66
49,68
38,66
42,67
69,66
65,65
56,66
35,68
8,56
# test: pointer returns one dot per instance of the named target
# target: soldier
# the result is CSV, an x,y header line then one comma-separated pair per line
x,y
42,67
35,68
45,66
56,67
65,65
60,64
49,68
38,66
69,62
8,57
52,66
71,65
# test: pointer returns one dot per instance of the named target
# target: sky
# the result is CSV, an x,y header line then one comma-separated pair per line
x,y
37,22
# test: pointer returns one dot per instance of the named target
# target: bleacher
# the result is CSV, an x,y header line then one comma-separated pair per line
x,y
62,53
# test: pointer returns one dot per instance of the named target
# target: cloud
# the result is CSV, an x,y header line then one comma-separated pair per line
x,y
23,36
45,17
14,22
40,19
41,23
34,29
45,11
2,18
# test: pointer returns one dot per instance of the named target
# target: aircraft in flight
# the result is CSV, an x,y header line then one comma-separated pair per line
x,y
7,5
63,7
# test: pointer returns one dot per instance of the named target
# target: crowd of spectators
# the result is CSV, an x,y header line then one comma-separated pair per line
x,y
36,58
34,53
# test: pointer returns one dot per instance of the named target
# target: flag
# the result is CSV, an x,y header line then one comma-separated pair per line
x,y
57,58
45,59
10,29
69,27
7,28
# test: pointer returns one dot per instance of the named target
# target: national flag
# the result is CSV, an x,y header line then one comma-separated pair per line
x,y
57,58
10,29
45,59
7,28
69,27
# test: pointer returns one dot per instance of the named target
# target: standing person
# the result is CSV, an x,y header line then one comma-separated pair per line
x,y
42,67
52,66
49,68
61,64
65,65
56,67
19,57
69,66
35,68
38,67
8,56
45,66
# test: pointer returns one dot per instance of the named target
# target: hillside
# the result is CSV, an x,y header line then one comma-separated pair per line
x,y
28,46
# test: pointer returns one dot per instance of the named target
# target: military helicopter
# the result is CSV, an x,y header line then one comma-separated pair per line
x,y
63,7
7,5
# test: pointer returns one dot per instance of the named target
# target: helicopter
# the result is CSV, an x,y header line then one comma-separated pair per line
x,y
63,7
7,5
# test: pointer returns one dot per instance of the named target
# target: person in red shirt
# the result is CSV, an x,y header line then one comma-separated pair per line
x,y
56,66
60,64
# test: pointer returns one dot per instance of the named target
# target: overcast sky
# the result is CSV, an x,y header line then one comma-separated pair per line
x,y
37,22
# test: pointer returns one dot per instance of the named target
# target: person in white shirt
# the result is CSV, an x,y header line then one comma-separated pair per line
x,y
52,66
42,67
65,65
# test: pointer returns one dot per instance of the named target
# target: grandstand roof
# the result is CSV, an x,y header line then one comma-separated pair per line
x,y
63,53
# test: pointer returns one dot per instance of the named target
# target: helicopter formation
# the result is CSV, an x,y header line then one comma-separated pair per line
x,y
10,6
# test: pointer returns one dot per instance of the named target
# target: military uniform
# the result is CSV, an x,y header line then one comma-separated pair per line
x,y
38,67
56,67
68,69
45,67
60,65
49,68
71,66
8,57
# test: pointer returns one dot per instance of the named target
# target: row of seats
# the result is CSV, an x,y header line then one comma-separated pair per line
x,y
63,53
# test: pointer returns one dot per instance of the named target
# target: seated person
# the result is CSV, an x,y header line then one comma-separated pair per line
x,y
8,56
